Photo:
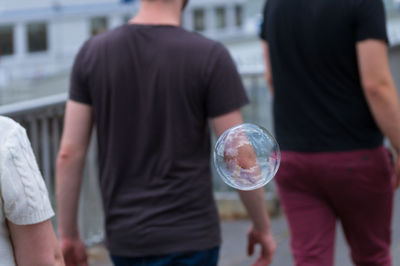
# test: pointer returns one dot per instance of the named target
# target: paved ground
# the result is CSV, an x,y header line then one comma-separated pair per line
x,y
234,244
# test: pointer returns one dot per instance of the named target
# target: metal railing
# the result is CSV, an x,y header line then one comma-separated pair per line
x,y
43,120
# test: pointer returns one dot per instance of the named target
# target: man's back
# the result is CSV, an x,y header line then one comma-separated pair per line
x,y
319,104
152,89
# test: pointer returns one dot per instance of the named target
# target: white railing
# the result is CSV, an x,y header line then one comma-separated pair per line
x,y
43,120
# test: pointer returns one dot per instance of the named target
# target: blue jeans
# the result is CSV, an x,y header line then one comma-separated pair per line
x,y
196,258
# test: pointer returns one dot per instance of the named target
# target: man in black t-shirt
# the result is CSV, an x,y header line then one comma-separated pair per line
x,y
334,96
151,87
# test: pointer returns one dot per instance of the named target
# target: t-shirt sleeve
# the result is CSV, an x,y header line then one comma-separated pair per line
x,y
22,187
370,20
263,26
79,87
225,91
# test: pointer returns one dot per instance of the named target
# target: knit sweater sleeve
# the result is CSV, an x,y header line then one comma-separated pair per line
x,y
23,190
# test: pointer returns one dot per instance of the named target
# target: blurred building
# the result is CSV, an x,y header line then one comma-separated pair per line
x,y
41,38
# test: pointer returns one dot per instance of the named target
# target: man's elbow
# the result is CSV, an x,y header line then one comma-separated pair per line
x,y
376,88
67,154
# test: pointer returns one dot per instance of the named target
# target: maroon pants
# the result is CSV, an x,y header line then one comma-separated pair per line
x,y
354,187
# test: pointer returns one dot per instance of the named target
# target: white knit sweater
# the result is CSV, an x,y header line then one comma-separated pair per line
x,y
23,194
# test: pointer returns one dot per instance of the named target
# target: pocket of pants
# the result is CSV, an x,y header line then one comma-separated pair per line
x,y
376,167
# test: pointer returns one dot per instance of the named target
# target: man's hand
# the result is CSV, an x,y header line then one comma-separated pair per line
x,y
74,252
395,163
246,157
268,246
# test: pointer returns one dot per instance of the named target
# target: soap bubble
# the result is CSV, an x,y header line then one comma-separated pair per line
x,y
246,156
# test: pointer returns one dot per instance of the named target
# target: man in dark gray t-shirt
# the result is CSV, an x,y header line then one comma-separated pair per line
x,y
151,87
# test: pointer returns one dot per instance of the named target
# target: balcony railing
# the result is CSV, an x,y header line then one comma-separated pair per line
x,y
43,120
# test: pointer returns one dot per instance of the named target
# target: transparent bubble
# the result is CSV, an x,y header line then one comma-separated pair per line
x,y
246,156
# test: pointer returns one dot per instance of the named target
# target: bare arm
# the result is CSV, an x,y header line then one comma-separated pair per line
x,y
254,201
380,91
35,245
268,73
71,158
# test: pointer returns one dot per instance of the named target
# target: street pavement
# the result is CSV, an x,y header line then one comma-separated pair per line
x,y
233,250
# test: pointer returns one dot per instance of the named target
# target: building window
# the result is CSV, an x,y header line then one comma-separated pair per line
x,y
37,37
220,17
6,40
98,25
198,20
239,15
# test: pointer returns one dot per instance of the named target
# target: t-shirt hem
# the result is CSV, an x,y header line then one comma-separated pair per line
x,y
115,250
312,148
262,36
34,218
229,108
378,38
79,99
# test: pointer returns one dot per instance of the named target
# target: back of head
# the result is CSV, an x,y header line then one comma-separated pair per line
x,y
181,3
160,12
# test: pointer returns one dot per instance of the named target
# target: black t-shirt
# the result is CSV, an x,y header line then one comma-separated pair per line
x,y
319,103
152,89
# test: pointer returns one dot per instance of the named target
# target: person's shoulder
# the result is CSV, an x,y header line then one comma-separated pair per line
x,y
110,35
102,39
198,40
197,37
10,132
6,122
98,44
196,43
8,126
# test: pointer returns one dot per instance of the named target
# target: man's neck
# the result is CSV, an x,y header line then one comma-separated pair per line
x,y
158,13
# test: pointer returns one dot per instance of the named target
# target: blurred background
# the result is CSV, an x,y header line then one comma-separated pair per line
x,y
39,40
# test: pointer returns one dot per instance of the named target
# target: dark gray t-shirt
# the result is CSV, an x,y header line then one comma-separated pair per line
x,y
152,89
